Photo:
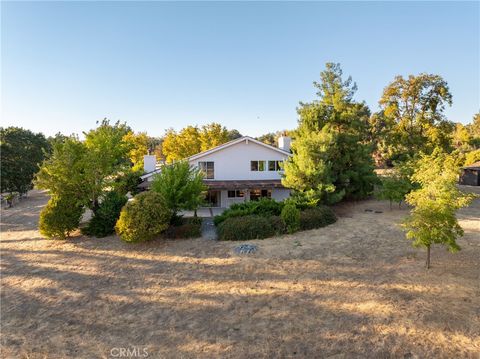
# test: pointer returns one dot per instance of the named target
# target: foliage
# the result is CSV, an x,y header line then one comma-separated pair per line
x,y
188,228
331,158
262,207
103,221
143,218
128,182
472,157
59,217
21,153
432,219
63,172
394,188
181,186
86,170
291,217
137,145
191,140
250,227
317,217
413,109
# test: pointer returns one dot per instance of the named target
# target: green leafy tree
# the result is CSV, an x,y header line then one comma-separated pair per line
x,y
233,135
433,217
60,217
21,153
103,221
181,187
394,188
178,146
331,155
63,172
107,154
414,109
143,218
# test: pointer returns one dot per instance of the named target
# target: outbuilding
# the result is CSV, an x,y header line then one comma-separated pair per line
x,y
470,175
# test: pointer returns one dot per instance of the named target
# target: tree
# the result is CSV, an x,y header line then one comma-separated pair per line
x,y
394,188
414,107
60,217
331,157
181,186
233,135
143,218
103,221
268,138
178,146
212,135
107,154
137,145
63,172
21,153
432,219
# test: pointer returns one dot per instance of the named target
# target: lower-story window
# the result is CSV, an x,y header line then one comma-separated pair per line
x,y
236,194
256,194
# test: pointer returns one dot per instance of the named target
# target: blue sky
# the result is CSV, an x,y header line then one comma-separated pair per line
x,y
157,65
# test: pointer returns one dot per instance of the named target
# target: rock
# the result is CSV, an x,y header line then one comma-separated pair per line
x,y
245,249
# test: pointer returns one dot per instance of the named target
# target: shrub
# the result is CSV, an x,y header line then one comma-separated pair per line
x,y
60,216
128,182
250,227
264,207
143,218
189,228
316,217
291,217
103,221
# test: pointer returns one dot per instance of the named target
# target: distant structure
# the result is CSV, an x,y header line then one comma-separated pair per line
x,y
471,175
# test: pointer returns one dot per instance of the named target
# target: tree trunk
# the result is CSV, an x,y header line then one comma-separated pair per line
x,y
195,213
428,257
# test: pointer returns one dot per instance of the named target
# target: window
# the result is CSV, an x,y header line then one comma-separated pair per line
x,y
258,166
256,194
208,168
274,165
236,194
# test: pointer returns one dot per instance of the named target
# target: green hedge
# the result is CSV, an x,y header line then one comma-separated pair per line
x,y
186,228
250,227
264,207
317,217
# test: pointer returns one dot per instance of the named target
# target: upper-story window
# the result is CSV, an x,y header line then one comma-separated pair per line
x,y
258,166
274,165
208,169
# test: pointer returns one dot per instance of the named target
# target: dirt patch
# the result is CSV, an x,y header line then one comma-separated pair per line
x,y
353,289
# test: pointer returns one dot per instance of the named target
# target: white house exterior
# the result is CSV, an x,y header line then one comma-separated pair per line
x,y
241,170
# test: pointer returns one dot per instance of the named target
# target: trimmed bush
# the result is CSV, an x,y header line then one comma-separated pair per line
x,y
316,217
291,217
189,228
103,221
59,217
264,207
250,227
143,218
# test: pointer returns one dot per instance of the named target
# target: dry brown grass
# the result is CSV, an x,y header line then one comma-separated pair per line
x,y
354,289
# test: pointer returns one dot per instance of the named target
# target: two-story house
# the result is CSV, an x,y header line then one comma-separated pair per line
x,y
237,171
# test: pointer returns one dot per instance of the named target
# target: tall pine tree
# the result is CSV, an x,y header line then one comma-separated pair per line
x,y
331,156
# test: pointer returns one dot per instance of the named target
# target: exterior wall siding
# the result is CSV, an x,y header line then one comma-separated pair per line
x,y
233,163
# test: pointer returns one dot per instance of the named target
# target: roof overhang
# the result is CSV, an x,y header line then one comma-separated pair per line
x,y
243,184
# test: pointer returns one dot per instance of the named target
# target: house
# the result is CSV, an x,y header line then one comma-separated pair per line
x,y
237,171
471,175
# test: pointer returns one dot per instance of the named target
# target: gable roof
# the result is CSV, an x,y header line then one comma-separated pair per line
x,y
234,142
473,166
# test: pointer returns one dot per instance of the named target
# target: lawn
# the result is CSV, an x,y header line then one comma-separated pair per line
x,y
353,289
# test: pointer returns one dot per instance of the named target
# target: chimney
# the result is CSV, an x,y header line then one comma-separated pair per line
x,y
284,143
149,163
